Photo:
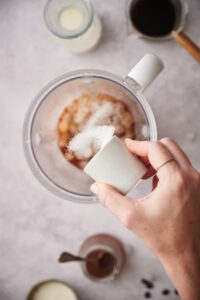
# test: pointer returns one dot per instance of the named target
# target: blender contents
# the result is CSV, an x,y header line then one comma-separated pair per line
x,y
91,111
153,18
85,143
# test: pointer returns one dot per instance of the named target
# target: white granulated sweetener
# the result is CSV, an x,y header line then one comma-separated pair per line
x,y
84,143
102,113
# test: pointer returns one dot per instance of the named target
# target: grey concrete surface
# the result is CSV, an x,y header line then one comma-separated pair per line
x,y
35,226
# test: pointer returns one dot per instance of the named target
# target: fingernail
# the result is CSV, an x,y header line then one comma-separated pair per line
x,y
94,188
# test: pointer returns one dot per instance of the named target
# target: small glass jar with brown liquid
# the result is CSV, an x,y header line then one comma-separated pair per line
x,y
106,249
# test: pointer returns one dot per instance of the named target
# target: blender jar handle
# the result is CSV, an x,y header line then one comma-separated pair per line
x,y
145,71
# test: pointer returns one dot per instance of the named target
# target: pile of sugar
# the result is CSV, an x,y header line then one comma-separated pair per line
x,y
94,134
100,114
91,139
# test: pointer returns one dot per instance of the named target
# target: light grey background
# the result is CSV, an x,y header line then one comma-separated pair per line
x,y
35,226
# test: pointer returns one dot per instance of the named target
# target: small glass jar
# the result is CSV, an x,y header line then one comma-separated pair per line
x,y
74,21
95,247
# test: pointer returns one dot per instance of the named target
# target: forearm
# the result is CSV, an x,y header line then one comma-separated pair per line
x,y
184,272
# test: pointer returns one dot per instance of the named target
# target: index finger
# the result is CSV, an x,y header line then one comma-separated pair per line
x,y
117,204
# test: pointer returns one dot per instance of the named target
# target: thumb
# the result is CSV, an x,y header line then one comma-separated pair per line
x,y
122,207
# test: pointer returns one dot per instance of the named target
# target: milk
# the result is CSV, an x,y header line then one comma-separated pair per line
x,y
71,18
74,18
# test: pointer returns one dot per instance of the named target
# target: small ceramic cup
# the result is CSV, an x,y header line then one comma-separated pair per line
x,y
114,164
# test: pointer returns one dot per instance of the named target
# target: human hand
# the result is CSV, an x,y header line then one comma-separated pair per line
x,y
167,219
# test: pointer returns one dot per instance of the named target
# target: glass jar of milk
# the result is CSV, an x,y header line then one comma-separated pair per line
x,y
75,21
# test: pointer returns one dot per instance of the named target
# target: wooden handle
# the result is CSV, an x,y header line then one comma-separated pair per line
x,y
183,40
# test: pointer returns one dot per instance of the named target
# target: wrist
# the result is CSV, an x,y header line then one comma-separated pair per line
x,y
184,271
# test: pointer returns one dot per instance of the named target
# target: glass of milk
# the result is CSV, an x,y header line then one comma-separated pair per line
x,y
74,21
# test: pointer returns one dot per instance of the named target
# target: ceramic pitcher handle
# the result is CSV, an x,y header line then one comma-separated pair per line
x,y
146,70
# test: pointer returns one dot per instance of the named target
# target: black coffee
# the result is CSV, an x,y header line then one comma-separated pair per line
x,y
154,18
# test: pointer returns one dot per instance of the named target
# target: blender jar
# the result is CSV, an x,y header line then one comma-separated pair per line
x,y
40,126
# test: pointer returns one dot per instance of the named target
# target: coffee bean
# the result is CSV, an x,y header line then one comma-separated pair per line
x,y
147,283
147,295
165,292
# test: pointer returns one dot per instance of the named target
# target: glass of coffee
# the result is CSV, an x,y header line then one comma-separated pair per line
x,y
160,20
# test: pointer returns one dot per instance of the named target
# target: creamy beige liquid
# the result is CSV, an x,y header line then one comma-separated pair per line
x,y
53,290
73,18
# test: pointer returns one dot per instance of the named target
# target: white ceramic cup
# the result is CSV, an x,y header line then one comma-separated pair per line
x,y
114,164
